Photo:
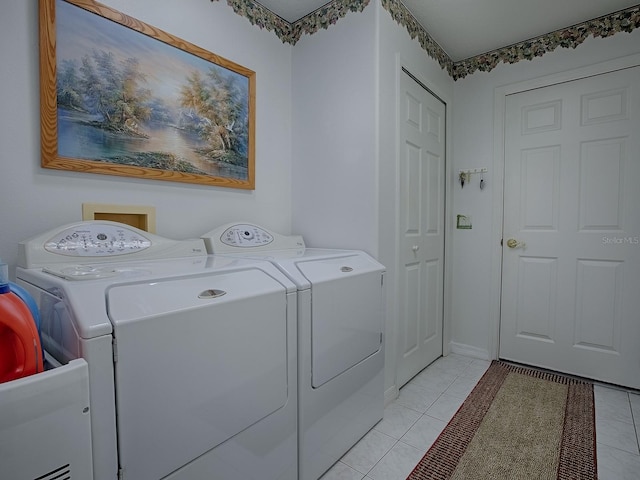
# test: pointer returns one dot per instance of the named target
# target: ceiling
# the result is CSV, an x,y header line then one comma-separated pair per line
x,y
466,28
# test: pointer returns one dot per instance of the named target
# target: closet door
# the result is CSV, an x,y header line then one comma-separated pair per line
x,y
421,232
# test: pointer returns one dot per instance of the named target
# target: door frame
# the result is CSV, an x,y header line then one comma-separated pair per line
x,y
403,64
499,106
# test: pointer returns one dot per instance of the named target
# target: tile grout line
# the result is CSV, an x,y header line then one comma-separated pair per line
x,y
633,418
422,414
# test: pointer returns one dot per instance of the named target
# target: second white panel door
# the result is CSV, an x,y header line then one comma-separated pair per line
x,y
421,227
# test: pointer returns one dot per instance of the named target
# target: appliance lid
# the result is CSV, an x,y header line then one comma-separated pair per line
x,y
318,265
137,301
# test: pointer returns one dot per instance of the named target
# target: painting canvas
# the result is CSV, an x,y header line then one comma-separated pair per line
x,y
121,97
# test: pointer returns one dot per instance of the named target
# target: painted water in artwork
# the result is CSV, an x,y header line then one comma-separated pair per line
x,y
126,98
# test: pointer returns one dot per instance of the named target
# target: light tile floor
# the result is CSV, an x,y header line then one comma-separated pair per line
x,y
425,405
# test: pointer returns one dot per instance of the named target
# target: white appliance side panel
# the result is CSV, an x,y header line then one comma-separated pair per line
x,y
347,320
187,379
62,339
45,424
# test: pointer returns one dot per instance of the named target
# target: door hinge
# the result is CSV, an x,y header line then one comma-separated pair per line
x,y
120,474
114,348
501,240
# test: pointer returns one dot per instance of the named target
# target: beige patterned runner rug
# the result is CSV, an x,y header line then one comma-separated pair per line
x,y
517,423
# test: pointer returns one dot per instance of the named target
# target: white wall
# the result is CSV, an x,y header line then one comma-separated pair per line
x,y
34,199
334,158
473,315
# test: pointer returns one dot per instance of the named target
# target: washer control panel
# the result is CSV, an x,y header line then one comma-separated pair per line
x,y
96,240
245,235
101,241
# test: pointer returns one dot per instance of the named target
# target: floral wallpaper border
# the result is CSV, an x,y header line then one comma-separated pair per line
x,y
291,32
404,17
623,21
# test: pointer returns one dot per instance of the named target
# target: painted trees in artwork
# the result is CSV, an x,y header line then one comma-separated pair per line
x,y
111,93
114,96
213,105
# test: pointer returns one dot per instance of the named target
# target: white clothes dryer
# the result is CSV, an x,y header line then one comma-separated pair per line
x,y
191,357
340,337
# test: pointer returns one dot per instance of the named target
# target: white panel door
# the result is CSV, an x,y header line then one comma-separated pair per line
x,y
421,228
571,254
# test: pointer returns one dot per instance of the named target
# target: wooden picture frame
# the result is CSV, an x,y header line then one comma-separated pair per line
x,y
120,97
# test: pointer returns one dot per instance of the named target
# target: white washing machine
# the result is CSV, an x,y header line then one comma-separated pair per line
x,y
191,357
340,337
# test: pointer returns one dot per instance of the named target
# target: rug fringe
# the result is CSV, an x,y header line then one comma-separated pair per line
x,y
542,374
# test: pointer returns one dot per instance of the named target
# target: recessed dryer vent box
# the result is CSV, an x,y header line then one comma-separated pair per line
x,y
142,217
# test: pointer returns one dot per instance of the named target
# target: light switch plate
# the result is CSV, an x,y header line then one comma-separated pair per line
x,y
463,222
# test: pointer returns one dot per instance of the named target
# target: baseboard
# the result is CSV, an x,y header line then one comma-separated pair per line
x,y
390,394
469,351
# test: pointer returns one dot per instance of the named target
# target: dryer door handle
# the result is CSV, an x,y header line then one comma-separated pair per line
x,y
211,293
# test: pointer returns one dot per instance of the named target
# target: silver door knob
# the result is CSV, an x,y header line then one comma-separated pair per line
x,y
415,248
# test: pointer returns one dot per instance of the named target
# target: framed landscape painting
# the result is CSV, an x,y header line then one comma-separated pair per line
x,y
120,97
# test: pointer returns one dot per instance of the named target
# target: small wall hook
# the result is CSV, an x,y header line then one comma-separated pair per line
x,y
464,176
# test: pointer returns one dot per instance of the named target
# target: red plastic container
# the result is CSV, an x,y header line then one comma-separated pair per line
x,y
20,349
